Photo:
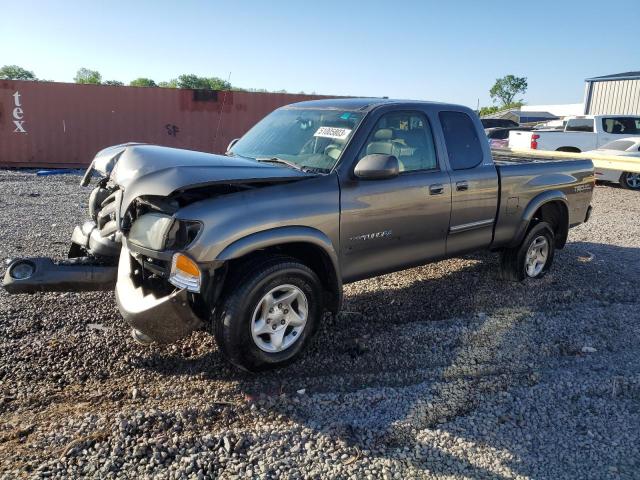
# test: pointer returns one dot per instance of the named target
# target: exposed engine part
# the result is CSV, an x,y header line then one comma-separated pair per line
x,y
99,237
88,240
96,197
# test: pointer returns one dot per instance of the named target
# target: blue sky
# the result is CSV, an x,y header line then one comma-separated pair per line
x,y
432,50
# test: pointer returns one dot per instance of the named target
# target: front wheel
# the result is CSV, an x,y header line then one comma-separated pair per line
x,y
630,180
532,258
268,314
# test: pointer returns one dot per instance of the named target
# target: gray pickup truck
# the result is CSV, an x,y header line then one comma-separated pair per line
x,y
257,244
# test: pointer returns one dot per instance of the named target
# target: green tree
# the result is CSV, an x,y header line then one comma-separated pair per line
x,y
142,82
14,72
216,83
488,110
113,83
202,83
506,88
173,83
86,76
494,108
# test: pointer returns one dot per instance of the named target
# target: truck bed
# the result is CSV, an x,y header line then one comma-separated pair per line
x,y
523,179
509,158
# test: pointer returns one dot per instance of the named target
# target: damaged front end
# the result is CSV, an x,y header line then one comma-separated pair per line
x,y
134,243
92,259
161,292
155,312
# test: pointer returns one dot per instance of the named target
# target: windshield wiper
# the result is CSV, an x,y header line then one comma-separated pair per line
x,y
280,160
316,170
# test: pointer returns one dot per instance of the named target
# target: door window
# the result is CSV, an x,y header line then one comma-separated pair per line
x,y
408,137
461,138
580,125
621,125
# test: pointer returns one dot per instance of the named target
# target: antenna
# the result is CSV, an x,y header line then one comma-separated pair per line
x,y
224,101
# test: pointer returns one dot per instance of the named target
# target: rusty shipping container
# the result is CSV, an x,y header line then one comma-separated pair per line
x,y
49,124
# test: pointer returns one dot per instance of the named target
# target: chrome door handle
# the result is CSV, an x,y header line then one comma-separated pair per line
x,y
462,186
436,189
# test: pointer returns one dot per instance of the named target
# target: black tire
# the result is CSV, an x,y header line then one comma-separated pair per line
x,y
512,264
232,317
568,149
630,181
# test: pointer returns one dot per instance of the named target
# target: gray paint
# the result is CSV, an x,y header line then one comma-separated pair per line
x,y
365,227
165,319
152,170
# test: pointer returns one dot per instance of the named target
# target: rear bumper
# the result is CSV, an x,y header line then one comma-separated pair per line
x,y
164,319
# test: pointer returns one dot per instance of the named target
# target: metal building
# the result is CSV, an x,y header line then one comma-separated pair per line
x,y
613,94
50,124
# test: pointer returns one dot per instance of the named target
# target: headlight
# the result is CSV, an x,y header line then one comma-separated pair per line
x,y
182,233
185,273
158,231
150,230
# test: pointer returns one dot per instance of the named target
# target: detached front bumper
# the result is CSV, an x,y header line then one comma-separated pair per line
x,y
164,319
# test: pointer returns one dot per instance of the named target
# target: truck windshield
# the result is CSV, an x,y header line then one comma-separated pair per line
x,y
311,139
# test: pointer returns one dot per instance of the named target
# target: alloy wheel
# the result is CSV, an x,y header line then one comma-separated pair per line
x,y
279,318
537,255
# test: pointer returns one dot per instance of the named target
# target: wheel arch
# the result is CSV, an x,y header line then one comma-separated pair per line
x,y
568,149
309,245
552,207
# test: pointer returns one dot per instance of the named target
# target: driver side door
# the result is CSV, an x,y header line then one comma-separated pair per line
x,y
390,224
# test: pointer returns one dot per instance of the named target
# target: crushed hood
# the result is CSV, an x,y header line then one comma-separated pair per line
x,y
141,169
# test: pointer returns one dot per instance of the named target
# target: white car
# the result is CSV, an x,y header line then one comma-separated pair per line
x,y
626,147
579,134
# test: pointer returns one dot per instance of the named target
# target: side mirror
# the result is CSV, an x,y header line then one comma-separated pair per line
x,y
377,167
232,143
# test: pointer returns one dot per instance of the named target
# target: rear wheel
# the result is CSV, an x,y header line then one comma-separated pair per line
x,y
630,180
533,257
268,314
568,149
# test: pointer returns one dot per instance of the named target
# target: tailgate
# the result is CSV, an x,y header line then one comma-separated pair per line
x,y
519,139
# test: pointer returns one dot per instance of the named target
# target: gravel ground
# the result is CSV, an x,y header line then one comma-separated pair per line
x,y
441,371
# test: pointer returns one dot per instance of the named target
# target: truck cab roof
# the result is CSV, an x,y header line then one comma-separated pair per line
x,y
363,104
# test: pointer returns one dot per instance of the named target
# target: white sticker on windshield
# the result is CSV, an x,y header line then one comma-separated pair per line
x,y
333,132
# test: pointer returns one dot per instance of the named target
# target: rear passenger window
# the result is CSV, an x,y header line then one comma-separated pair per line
x,y
621,125
580,125
461,137
407,136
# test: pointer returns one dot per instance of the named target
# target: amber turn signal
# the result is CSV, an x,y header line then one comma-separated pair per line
x,y
185,273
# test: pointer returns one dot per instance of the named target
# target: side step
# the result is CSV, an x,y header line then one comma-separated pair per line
x,y
41,274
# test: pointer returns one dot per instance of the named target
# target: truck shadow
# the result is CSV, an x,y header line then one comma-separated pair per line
x,y
422,349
